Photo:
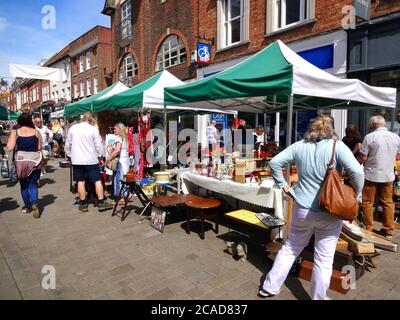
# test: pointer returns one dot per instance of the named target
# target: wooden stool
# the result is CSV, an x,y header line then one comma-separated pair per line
x,y
204,208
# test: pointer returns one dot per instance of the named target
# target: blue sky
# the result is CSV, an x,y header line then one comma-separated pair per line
x,y
24,41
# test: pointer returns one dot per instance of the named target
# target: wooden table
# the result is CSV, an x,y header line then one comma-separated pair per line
x,y
204,208
249,218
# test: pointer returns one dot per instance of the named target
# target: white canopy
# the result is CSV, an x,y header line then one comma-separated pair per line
x,y
34,72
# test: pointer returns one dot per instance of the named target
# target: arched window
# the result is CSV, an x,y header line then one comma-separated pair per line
x,y
172,52
128,70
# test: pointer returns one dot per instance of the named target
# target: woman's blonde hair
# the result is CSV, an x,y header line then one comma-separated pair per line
x,y
123,131
320,128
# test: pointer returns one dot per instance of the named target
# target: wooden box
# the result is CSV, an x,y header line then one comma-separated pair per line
x,y
358,247
305,273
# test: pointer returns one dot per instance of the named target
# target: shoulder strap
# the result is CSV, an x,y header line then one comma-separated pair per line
x,y
333,154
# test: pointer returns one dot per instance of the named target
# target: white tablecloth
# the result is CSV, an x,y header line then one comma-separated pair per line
x,y
266,195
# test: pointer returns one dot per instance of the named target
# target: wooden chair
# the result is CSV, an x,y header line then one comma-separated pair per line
x,y
203,208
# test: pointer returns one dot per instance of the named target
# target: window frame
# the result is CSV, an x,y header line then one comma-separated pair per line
x,y
227,20
171,53
81,64
95,85
124,69
88,87
76,91
276,15
88,57
126,19
82,88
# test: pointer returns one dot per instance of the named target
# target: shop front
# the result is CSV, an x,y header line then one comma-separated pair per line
x,y
374,57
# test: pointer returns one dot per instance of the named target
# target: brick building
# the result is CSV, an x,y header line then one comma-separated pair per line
x,y
31,93
149,36
91,62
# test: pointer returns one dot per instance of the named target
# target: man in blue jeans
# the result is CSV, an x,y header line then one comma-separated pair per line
x,y
83,146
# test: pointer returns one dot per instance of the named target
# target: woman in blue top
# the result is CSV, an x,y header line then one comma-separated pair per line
x,y
27,138
311,157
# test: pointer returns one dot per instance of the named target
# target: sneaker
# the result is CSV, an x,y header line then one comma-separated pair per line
x,y
265,294
83,207
26,210
104,205
35,211
385,234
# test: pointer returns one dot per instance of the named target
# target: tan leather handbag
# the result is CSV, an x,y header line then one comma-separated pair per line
x,y
337,198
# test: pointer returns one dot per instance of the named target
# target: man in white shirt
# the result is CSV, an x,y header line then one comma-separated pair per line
x,y
379,151
46,133
83,145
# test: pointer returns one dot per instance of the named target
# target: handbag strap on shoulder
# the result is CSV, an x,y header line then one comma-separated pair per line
x,y
330,165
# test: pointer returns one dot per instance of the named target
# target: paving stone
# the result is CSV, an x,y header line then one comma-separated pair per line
x,y
99,257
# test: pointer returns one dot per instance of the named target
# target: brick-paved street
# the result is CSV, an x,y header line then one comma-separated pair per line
x,y
97,256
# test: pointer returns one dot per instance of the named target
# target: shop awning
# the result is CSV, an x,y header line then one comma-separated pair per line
x,y
87,104
13,115
3,113
269,77
148,94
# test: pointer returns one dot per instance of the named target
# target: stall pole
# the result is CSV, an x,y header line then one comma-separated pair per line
x,y
289,125
165,166
393,119
277,127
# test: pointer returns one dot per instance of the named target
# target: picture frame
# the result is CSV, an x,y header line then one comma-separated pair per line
x,y
157,219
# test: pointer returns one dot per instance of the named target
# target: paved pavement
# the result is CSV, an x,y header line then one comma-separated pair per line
x,y
97,256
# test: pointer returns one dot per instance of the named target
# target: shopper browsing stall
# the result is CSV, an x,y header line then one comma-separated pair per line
x,y
379,151
119,155
84,146
311,157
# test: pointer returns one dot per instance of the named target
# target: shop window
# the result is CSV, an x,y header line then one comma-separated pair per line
x,y
126,22
232,16
172,52
286,13
128,70
358,53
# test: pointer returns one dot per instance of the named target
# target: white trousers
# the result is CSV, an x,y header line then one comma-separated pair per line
x,y
305,223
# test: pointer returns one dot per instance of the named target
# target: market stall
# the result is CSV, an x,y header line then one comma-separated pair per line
x,y
86,104
277,77
274,79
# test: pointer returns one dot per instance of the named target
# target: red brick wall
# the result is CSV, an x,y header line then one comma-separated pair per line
x,y
101,56
150,21
29,87
328,14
